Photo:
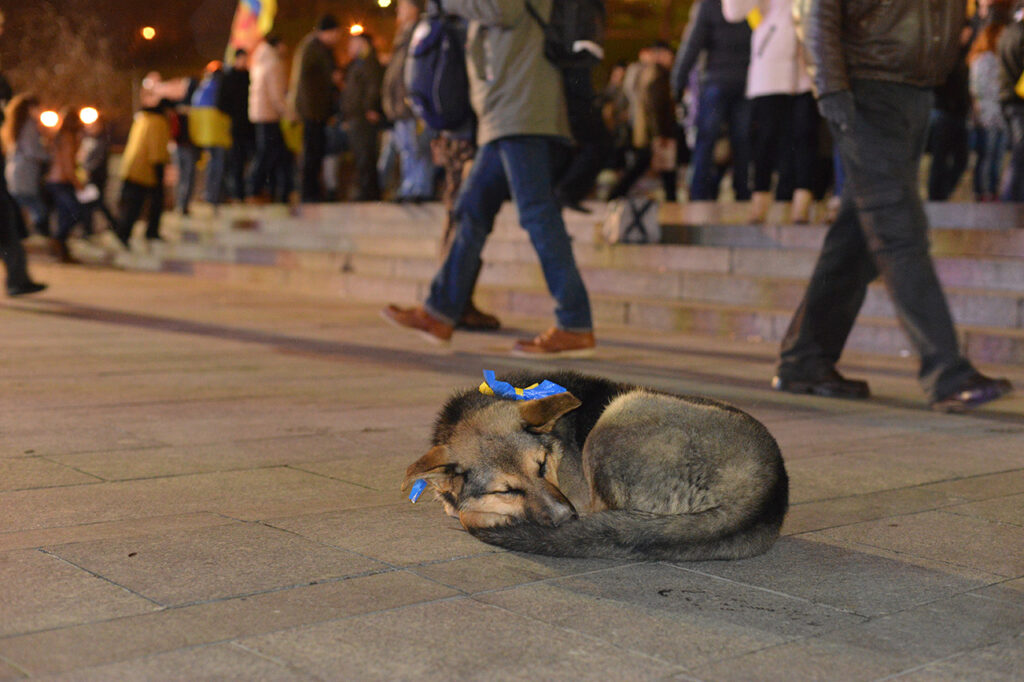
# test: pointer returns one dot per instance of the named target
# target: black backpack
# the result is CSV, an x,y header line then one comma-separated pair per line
x,y
574,35
436,81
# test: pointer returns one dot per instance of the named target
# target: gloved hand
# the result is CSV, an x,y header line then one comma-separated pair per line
x,y
838,109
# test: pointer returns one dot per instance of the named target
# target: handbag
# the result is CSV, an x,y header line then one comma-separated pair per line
x,y
633,220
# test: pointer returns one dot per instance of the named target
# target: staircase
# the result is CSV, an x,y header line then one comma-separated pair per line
x,y
715,275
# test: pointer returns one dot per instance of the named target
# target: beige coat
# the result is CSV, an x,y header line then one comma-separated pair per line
x,y
514,89
268,87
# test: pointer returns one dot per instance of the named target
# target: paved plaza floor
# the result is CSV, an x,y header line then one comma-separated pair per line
x,y
200,482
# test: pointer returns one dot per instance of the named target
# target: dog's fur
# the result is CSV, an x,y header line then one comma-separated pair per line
x,y
656,476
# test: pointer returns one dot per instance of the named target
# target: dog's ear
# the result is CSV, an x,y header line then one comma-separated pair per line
x,y
434,465
541,414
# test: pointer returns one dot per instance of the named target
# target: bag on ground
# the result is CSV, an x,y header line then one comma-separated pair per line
x,y
633,220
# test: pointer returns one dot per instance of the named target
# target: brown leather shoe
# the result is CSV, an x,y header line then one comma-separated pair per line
x,y
557,343
475,319
419,320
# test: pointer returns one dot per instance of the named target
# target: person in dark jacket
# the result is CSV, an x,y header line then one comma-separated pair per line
x,y
361,111
948,134
723,97
655,122
1011,59
874,67
233,100
315,76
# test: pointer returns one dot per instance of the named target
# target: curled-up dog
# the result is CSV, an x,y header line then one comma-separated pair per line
x,y
586,467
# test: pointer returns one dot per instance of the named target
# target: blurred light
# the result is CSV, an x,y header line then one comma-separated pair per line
x,y
356,30
384,3
88,115
50,119
148,32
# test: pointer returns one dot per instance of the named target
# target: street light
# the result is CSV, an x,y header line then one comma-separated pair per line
x,y
384,3
88,115
148,32
49,118
356,30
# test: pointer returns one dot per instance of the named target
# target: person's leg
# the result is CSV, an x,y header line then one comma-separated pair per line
x,y
155,210
133,196
766,115
704,181
639,163
478,204
314,145
38,213
881,159
259,176
593,140
12,250
527,162
363,137
994,152
69,211
739,139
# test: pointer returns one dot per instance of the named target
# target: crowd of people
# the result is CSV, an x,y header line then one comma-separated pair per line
x,y
786,106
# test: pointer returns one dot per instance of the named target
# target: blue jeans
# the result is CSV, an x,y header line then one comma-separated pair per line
x,y
185,158
718,104
69,211
1013,186
988,166
414,154
38,212
520,168
215,170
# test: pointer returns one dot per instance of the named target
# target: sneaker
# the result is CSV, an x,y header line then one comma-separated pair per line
x,y
977,390
477,320
419,320
558,343
827,384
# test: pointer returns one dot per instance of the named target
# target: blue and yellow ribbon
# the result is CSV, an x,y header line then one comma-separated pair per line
x,y
503,389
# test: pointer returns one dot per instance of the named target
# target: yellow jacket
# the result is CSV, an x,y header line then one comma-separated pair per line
x,y
146,148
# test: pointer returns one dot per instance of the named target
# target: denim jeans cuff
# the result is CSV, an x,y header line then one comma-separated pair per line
x,y
433,312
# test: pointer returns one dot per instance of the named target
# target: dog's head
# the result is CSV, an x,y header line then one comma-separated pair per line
x,y
500,465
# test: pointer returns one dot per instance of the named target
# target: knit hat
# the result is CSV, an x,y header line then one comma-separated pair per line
x,y
327,23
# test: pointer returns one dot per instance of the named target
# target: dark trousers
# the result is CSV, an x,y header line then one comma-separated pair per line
x,y
11,248
314,147
362,138
1013,188
881,229
637,164
242,147
593,141
272,166
69,211
133,198
949,154
721,103
785,141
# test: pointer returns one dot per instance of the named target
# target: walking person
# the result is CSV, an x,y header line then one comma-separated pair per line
x,y
518,98
990,125
233,100
361,112
315,77
1011,97
409,136
783,112
94,159
875,90
25,156
725,47
62,183
142,171
268,95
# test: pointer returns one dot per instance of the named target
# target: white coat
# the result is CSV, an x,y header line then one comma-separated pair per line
x,y
268,85
777,64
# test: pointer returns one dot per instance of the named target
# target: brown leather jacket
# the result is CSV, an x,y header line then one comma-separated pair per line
x,y
907,41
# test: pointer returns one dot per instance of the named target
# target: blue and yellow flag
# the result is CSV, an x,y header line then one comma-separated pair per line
x,y
253,20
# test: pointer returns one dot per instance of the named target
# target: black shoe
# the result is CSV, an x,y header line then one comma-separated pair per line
x,y
571,204
977,390
29,287
829,384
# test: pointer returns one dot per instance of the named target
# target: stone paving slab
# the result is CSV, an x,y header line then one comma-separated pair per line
x,y
199,481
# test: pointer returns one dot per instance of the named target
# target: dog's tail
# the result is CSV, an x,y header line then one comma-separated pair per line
x,y
620,534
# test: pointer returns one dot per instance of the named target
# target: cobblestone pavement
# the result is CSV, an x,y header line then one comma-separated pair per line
x,y
201,482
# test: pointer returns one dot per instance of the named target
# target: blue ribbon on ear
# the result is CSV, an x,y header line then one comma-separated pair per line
x,y
503,389
417,489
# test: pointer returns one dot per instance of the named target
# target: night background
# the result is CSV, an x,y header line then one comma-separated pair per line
x,y
90,52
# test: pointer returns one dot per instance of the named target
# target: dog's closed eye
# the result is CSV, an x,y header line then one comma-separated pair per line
x,y
514,492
